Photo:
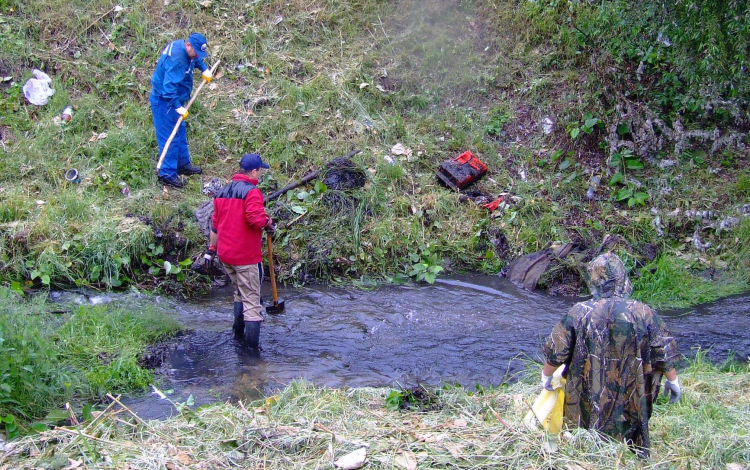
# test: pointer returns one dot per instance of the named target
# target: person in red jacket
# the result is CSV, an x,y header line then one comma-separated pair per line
x,y
236,234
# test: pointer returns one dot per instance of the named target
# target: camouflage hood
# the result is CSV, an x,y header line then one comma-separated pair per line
x,y
607,277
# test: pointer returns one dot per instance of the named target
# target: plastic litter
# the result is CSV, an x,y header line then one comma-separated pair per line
x,y
124,189
72,176
461,171
38,90
549,406
67,114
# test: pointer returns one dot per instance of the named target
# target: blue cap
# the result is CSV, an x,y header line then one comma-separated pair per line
x,y
199,43
252,161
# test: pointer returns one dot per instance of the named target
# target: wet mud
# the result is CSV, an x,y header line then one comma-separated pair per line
x,y
468,330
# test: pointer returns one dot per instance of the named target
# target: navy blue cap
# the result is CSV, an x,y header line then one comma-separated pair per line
x,y
252,161
199,43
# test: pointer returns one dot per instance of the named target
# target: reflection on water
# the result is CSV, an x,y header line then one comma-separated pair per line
x,y
468,330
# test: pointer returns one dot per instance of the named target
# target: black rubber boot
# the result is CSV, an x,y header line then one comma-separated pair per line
x,y
239,320
252,334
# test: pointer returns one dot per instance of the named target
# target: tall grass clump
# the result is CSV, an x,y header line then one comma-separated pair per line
x,y
48,359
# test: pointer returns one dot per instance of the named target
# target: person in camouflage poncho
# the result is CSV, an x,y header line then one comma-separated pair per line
x,y
616,351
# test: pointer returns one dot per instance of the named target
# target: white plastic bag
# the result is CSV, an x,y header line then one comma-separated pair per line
x,y
37,90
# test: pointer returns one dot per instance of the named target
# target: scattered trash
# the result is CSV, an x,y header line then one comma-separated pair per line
x,y
72,176
398,149
95,136
67,114
462,171
38,90
494,204
526,270
593,183
548,126
389,159
548,408
352,460
124,189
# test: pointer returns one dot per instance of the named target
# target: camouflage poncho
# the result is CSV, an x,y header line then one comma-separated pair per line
x,y
616,350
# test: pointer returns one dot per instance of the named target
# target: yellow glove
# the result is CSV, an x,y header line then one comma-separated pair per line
x,y
207,76
182,111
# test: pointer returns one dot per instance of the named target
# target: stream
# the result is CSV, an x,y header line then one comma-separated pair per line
x,y
471,329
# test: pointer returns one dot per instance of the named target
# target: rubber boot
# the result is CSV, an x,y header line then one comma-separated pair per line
x,y
239,320
252,333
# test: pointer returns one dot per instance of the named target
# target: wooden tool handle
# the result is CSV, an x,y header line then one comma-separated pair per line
x,y
270,268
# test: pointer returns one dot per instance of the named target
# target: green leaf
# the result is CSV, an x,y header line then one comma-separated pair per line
x,y
39,427
622,194
55,416
186,262
16,286
556,154
86,412
633,164
590,123
566,164
616,178
190,401
34,274
45,279
302,195
640,198
298,209
574,132
320,187
622,129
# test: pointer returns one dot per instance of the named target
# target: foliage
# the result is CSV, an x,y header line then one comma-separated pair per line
x,y
47,360
426,265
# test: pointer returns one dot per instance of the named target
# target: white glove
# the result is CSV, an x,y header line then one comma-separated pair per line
x,y
547,382
207,76
672,390
182,111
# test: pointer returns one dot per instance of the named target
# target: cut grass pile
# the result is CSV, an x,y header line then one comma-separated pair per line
x,y
306,427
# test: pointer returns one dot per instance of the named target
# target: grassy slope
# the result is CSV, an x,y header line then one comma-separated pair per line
x,y
307,427
439,77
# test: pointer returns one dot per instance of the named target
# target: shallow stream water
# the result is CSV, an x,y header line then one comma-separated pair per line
x,y
470,330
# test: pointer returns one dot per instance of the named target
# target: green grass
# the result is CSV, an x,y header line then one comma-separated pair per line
x,y
48,359
439,77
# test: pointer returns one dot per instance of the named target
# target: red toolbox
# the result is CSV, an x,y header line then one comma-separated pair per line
x,y
461,171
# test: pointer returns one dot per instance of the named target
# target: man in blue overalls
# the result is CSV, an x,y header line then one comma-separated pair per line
x,y
171,86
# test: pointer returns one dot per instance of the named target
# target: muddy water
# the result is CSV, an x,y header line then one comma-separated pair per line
x,y
468,330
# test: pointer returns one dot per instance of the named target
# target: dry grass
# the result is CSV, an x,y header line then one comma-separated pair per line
x,y
309,427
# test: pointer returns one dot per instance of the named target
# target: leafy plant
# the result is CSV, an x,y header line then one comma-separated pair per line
x,y
632,195
426,265
498,118
586,125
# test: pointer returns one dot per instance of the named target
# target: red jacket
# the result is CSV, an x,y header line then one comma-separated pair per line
x,y
239,218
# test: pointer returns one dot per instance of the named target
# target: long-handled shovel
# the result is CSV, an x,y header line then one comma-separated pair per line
x,y
278,305
179,121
